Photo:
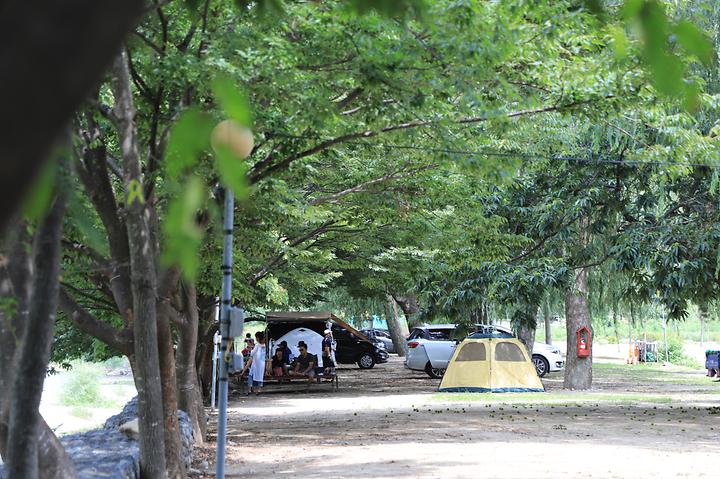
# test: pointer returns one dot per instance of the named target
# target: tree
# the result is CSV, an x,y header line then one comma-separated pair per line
x,y
27,316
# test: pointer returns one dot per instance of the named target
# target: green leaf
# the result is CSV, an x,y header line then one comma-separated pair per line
x,y
668,74
38,199
182,234
667,68
81,217
190,136
233,100
232,171
265,8
631,9
620,43
694,41
390,8
691,99
192,6
595,6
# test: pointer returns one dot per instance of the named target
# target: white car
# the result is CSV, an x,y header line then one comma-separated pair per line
x,y
431,347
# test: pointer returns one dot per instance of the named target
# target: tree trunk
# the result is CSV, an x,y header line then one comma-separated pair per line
x,y
409,305
479,315
205,367
395,328
15,283
616,327
204,352
526,328
173,447
578,371
204,358
548,320
143,284
53,461
702,313
33,354
188,384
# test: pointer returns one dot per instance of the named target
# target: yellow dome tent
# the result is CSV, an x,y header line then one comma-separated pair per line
x,y
491,365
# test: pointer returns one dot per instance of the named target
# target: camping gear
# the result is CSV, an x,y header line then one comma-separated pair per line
x,y
311,338
648,351
491,365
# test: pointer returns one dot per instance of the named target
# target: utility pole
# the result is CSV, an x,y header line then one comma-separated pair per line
x,y
225,333
227,137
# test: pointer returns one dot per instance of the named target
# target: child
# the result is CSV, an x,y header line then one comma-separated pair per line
x,y
279,368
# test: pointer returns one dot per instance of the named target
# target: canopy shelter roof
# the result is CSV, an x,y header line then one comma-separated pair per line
x,y
305,317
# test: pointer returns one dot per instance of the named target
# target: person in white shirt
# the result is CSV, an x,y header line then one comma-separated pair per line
x,y
255,365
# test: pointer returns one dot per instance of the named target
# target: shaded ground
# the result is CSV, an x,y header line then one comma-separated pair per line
x,y
389,422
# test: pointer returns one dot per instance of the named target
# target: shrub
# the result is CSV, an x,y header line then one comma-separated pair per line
x,y
116,362
81,386
675,353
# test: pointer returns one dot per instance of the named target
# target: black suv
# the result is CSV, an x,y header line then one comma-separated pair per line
x,y
352,348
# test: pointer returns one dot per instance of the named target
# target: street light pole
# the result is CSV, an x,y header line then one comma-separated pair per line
x,y
227,137
225,332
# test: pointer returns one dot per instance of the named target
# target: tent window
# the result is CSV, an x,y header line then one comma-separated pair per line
x,y
508,352
472,352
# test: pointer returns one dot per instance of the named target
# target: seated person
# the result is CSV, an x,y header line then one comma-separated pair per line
x,y
279,368
283,346
304,363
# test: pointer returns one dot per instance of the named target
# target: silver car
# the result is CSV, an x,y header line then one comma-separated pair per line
x,y
431,347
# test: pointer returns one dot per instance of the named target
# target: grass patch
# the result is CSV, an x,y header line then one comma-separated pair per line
x,y
650,372
81,412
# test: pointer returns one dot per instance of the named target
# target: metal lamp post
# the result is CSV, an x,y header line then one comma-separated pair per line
x,y
239,140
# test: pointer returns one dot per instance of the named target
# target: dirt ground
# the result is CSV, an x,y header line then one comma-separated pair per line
x,y
389,422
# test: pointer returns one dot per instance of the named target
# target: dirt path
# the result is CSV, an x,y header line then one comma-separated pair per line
x,y
389,422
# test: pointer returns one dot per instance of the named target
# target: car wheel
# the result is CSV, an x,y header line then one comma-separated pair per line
x,y
542,366
434,373
366,361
